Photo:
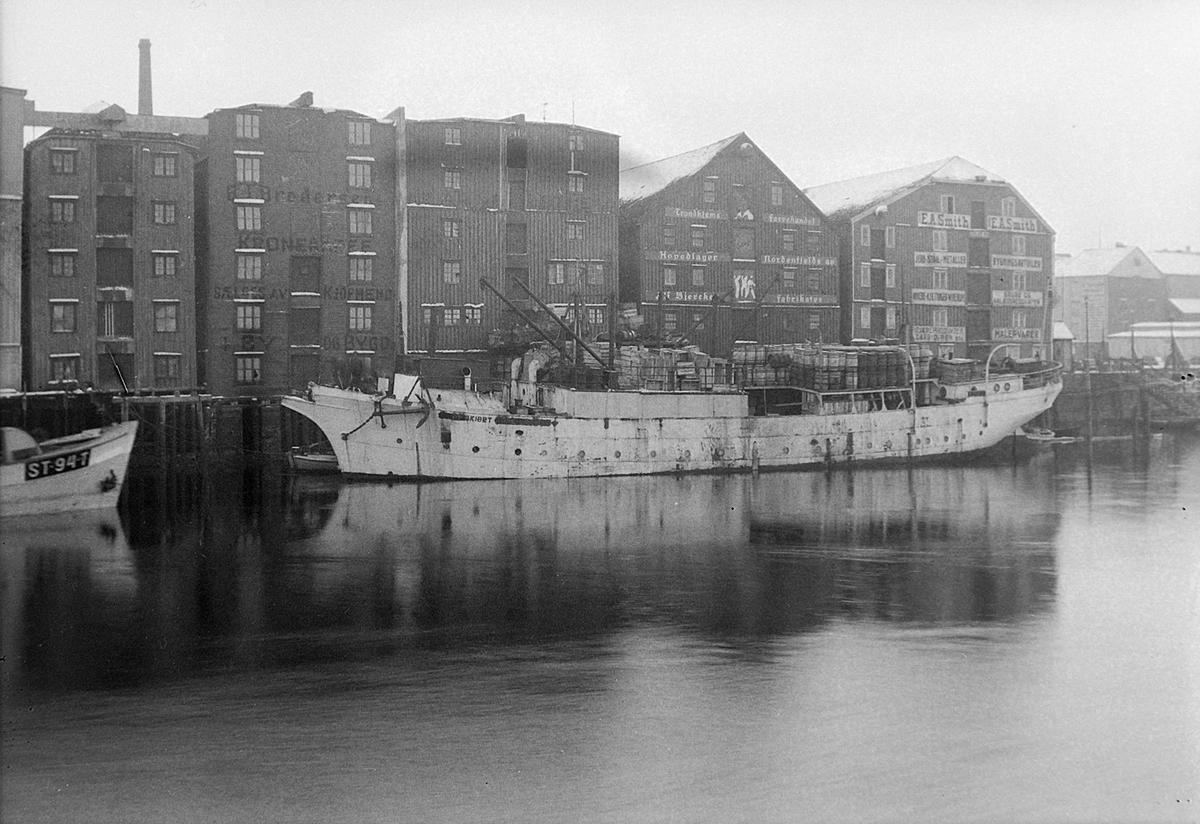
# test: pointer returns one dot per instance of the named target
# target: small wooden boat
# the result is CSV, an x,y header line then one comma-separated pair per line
x,y
312,459
81,471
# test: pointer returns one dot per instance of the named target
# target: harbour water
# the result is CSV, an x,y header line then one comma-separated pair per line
x,y
1003,643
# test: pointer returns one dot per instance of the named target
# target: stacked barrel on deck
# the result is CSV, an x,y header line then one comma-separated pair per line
x,y
829,368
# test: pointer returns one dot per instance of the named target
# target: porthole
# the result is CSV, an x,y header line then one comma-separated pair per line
x,y
581,454
653,454
520,432
618,453
996,388
786,450
399,440
516,452
1007,387
946,438
474,448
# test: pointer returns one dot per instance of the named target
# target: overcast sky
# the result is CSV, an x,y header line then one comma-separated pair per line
x,y
1091,109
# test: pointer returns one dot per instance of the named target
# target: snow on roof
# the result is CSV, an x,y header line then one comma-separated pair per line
x,y
1186,306
850,197
1097,262
1160,330
1176,263
640,182
1062,331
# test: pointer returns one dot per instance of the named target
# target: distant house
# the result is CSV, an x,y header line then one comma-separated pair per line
x,y
718,245
946,254
1103,291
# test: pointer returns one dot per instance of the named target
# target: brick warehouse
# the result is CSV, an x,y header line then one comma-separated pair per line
x,y
718,244
296,240
109,287
945,254
505,200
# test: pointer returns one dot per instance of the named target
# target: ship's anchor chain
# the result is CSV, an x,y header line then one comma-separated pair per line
x,y
378,412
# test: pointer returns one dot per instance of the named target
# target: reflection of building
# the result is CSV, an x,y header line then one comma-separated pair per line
x,y
717,244
506,200
946,254
1102,291
110,282
296,247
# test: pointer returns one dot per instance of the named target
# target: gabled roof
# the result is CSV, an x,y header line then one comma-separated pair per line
x,y
1100,262
641,182
1062,331
847,199
1186,306
1176,263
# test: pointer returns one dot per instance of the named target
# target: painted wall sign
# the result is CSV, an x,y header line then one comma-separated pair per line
x,y
940,334
802,300
1010,333
939,297
792,220
1016,297
696,214
303,245
688,297
939,259
1002,223
743,286
942,220
337,293
238,191
798,260
671,256
1029,264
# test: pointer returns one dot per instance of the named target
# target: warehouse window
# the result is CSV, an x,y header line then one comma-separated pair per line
x,y
360,132
698,237
670,321
669,276
360,221
165,265
453,136
1008,207
249,317
166,317
697,275
167,368
556,273
574,231
941,278
814,280
948,204
941,316
360,317
669,235
595,274
249,218
452,271
575,142
246,126
249,267
710,189
890,233
359,175
62,161
864,317
473,315
890,276
1018,245
788,240
63,316
164,213
453,179
248,369
360,268
163,165
864,275
451,316
64,368
451,228
941,242
62,264
789,278
776,194
575,183
62,211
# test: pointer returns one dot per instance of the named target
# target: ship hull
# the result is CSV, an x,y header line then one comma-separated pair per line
x,y
458,434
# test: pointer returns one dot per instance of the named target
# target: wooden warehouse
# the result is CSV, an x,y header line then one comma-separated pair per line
x,y
508,201
109,285
945,254
718,245
296,244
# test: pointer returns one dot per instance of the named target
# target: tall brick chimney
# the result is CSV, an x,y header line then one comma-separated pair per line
x,y
145,95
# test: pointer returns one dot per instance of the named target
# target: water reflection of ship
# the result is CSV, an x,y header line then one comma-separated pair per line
x,y
940,546
62,574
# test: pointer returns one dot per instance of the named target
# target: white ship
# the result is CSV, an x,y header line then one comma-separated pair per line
x,y
535,429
